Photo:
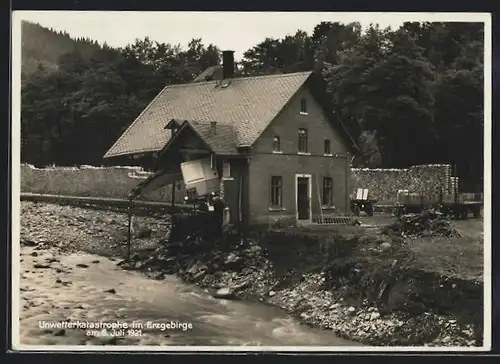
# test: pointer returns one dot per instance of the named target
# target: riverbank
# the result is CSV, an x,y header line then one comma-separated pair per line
x,y
375,289
364,287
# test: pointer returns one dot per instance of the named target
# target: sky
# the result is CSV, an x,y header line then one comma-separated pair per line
x,y
237,31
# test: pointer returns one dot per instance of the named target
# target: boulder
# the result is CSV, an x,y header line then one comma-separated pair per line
x,y
226,293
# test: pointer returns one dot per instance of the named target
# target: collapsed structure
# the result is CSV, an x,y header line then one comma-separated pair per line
x,y
263,144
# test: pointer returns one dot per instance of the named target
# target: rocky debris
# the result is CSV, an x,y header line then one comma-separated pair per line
x,y
81,265
112,341
428,223
95,262
27,242
329,310
142,232
69,229
61,332
225,292
41,266
112,290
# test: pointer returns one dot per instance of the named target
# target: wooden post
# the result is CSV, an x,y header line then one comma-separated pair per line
x,y
455,185
129,227
347,207
173,195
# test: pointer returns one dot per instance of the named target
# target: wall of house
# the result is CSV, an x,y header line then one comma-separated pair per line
x,y
265,163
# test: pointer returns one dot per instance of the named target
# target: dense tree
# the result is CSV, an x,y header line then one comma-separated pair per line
x,y
385,84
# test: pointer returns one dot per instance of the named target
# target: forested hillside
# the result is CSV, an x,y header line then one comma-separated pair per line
x,y
42,46
412,95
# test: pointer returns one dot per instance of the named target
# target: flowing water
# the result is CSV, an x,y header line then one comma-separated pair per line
x,y
196,318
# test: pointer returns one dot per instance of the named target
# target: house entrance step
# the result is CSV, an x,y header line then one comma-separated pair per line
x,y
333,220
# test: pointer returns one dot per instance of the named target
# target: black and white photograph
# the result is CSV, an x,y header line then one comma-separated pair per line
x,y
251,181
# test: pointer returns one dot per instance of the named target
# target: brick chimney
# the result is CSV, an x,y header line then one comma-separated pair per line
x,y
227,64
213,127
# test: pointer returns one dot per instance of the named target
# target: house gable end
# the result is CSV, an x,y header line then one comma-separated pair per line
x,y
186,138
290,119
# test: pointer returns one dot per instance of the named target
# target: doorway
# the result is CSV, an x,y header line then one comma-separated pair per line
x,y
303,197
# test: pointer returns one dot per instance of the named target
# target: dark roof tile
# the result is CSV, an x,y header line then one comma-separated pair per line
x,y
248,104
222,140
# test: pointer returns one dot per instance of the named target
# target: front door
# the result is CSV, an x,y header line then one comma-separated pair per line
x,y
303,198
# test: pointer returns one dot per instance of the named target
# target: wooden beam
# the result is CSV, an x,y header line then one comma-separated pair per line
x,y
173,193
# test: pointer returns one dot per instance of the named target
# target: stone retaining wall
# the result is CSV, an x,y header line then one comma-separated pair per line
x,y
112,182
383,184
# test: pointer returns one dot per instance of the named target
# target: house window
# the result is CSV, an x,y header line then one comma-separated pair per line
x,y
276,144
276,191
302,140
327,191
226,170
327,147
303,106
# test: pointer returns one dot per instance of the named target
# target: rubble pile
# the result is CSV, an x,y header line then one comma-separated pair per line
x,y
428,223
73,229
234,265
366,322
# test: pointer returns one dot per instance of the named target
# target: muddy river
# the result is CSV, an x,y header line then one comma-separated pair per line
x,y
60,291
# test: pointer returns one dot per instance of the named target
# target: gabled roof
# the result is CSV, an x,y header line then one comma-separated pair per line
x,y
221,140
248,104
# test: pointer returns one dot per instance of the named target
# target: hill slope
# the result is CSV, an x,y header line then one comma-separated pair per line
x,y
43,46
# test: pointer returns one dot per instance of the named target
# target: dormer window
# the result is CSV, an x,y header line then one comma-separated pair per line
x,y
276,144
303,106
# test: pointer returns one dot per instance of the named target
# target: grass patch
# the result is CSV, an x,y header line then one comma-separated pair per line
x,y
455,257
